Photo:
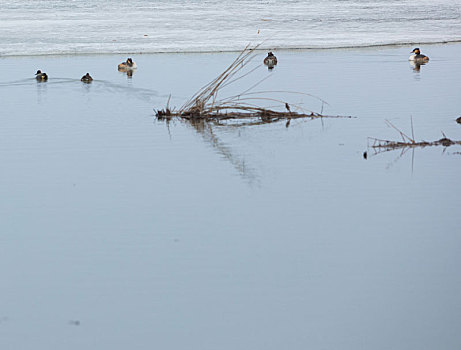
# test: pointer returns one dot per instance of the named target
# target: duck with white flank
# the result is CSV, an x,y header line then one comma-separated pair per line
x,y
417,57
270,61
128,65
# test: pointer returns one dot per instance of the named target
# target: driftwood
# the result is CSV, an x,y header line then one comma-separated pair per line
x,y
407,142
242,109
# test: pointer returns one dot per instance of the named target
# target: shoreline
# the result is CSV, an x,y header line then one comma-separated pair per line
x,y
262,49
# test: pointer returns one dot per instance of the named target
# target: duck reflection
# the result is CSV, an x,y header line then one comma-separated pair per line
x,y
417,65
129,72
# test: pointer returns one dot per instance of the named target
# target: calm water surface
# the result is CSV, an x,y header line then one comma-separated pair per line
x,y
118,231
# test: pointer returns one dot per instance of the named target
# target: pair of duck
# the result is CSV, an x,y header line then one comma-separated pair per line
x,y
129,64
415,56
44,77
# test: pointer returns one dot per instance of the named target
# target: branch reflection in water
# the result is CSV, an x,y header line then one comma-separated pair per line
x,y
206,130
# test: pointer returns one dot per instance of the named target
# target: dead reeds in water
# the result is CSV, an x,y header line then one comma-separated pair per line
x,y
407,142
245,108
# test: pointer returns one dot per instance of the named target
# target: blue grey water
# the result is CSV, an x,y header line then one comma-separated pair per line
x,y
118,231
82,26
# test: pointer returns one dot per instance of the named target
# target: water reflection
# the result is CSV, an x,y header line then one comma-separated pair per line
x,y
129,72
41,91
205,129
87,86
416,66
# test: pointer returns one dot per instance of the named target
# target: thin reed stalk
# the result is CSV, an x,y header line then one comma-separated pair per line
x,y
381,145
206,105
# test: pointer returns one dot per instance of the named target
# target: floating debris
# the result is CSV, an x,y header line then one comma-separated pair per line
x,y
242,109
380,145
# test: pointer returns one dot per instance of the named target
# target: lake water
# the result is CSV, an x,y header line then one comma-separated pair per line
x,y
114,26
118,231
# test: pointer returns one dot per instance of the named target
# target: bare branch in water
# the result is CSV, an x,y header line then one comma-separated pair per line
x,y
205,105
380,145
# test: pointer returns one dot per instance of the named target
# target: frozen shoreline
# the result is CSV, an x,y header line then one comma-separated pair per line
x,y
115,26
261,48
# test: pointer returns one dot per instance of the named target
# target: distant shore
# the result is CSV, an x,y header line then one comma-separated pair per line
x,y
263,47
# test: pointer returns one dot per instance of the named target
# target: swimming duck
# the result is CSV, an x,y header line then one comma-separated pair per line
x,y
129,64
41,76
417,57
270,60
87,78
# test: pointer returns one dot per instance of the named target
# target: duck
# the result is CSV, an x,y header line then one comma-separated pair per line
x,y
417,57
270,60
87,78
129,64
41,76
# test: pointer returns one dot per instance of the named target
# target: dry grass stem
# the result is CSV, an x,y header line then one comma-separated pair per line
x,y
380,145
205,104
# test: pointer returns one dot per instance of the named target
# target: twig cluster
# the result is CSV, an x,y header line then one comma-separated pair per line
x,y
380,145
205,104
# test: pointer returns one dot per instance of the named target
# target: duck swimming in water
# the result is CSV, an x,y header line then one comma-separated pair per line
x,y
87,78
129,64
41,76
270,60
417,57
